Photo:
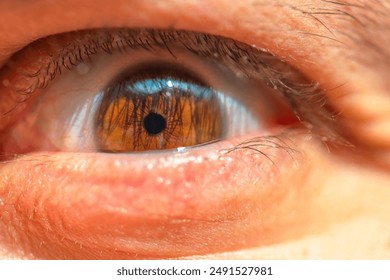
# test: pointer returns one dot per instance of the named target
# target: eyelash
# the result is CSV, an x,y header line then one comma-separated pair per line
x,y
83,45
305,97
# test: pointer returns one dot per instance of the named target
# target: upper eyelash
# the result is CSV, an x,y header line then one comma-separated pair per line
x,y
305,96
82,45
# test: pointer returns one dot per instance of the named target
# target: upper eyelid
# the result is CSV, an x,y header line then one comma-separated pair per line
x,y
75,47
82,45
64,51
339,21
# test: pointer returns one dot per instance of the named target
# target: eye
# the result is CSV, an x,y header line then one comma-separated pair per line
x,y
224,113
142,90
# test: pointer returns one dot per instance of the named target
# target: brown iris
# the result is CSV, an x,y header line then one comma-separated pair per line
x,y
157,109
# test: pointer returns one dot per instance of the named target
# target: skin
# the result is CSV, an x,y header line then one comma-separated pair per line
x,y
321,203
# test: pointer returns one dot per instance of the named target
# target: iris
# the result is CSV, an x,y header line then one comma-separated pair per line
x,y
157,109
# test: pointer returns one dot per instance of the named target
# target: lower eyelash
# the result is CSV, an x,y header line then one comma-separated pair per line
x,y
259,145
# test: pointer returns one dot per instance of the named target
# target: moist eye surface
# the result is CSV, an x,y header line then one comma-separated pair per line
x,y
155,109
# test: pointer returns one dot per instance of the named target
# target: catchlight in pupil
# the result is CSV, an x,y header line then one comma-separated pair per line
x,y
156,109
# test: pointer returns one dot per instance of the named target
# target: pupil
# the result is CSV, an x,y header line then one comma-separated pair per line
x,y
154,123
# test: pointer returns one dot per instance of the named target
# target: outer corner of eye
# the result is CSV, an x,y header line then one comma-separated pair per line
x,y
99,144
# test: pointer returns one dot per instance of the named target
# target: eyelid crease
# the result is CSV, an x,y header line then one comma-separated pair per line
x,y
57,53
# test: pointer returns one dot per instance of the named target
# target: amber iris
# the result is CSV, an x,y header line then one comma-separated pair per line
x,y
157,110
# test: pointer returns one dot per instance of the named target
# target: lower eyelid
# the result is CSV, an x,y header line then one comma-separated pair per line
x,y
102,201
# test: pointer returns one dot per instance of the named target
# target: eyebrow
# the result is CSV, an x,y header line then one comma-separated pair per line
x,y
360,24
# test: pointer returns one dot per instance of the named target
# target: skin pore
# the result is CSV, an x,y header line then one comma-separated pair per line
x,y
324,203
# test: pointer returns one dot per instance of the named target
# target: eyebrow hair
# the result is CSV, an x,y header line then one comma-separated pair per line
x,y
358,24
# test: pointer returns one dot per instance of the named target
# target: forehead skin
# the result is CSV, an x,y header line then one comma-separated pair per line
x,y
341,44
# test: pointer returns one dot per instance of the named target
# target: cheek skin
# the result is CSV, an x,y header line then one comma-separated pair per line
x,y
98,206
349,217
74,207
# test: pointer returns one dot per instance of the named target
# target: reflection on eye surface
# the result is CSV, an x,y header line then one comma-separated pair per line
x,y
158,112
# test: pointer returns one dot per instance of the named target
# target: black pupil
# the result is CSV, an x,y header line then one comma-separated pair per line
x,y
154,123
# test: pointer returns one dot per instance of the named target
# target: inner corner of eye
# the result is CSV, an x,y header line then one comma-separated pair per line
x,y
285,116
